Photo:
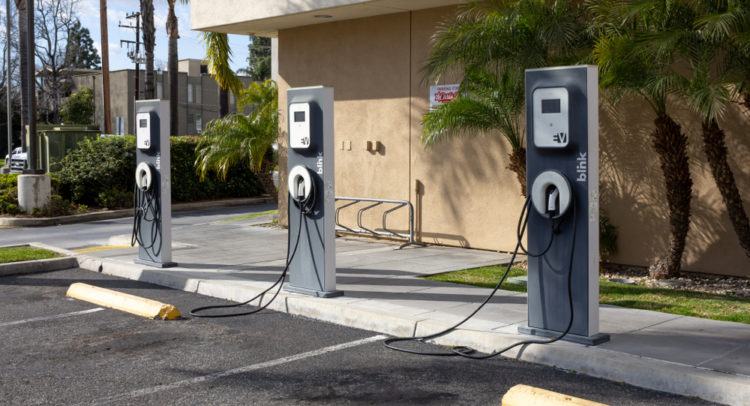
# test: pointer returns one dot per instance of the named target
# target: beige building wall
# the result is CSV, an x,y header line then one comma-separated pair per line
x,y
466,195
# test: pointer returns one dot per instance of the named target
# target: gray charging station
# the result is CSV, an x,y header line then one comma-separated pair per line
x,y
152,223
562,169
312,270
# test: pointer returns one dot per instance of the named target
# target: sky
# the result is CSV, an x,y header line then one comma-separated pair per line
x,y
189,45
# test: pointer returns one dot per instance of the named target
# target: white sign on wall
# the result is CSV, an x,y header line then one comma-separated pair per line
x,y
441,94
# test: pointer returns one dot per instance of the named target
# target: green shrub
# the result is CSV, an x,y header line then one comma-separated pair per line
x,y
89,174
9,194
100,173
186,184
56,206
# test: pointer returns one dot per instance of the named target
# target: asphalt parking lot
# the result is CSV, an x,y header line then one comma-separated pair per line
x,y
57,350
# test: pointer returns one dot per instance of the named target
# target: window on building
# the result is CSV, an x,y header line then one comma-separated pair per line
x,y
190,93
231,99
198,123
159,90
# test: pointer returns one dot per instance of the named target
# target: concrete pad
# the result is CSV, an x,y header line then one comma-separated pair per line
x,y
618,320
736,361
122,301
697,338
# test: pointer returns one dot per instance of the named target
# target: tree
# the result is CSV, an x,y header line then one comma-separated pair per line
x,y
716,47
147,19
54,20
259,60
173,34
493,42
80,52
79,108
239,138
219,55
626,67
22,56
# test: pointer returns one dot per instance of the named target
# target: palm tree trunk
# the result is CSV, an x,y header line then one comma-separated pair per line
x,y
173,34
147,13
716,154
518,165
22,50
671,145
223,102
266,178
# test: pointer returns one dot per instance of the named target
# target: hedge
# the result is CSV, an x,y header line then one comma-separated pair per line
x,y
101,173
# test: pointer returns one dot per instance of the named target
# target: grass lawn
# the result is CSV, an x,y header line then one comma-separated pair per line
x,y
682,302
249,216
17,254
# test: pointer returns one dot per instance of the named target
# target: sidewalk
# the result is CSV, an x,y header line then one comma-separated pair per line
x,y
235,260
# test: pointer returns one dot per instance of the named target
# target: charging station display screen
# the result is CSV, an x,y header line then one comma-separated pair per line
x,y
550,106
143,123
299,116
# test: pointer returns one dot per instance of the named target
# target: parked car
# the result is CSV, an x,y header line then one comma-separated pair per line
x,y
18,160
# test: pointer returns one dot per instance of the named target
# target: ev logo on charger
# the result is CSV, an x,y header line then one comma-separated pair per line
x,y
560,138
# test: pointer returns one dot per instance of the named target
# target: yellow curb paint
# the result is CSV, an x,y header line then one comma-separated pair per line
x,y
101,248
122,301
524,395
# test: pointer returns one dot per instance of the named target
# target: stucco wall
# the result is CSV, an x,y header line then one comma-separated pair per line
x,y
466,196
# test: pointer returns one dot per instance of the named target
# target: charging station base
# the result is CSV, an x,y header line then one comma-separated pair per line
x,y
316,293
595,339
155,264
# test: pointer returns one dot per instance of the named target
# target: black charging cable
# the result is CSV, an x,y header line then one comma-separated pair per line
x,y
147,207
306,206
467,352
279,282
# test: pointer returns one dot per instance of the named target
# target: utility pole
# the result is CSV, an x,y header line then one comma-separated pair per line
x,y
105,64
135,57
7,82
31,88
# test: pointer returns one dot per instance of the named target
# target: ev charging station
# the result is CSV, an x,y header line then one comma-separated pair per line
x,y
312,267
562,169
152,222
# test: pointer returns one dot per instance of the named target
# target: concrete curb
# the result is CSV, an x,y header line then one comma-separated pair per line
x,y
122,301
524,395
115,214
686,380
38,265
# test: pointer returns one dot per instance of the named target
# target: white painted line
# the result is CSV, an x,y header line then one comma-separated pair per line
x,y
57,316
240,370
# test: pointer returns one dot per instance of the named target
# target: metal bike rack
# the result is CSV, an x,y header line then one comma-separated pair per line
x,y
375,203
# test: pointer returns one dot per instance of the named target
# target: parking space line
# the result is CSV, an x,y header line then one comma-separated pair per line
x,y
236,371
44,318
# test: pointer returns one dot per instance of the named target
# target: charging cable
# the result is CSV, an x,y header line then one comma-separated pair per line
x,y
468,352
279,282
306,206
146,207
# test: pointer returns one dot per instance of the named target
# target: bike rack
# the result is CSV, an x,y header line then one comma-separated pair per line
x,y
385,230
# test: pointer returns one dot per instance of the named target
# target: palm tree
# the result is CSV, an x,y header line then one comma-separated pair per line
x,y
485,103
173,34
494,42
238,138
147,21
627,67
717,51
219,54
